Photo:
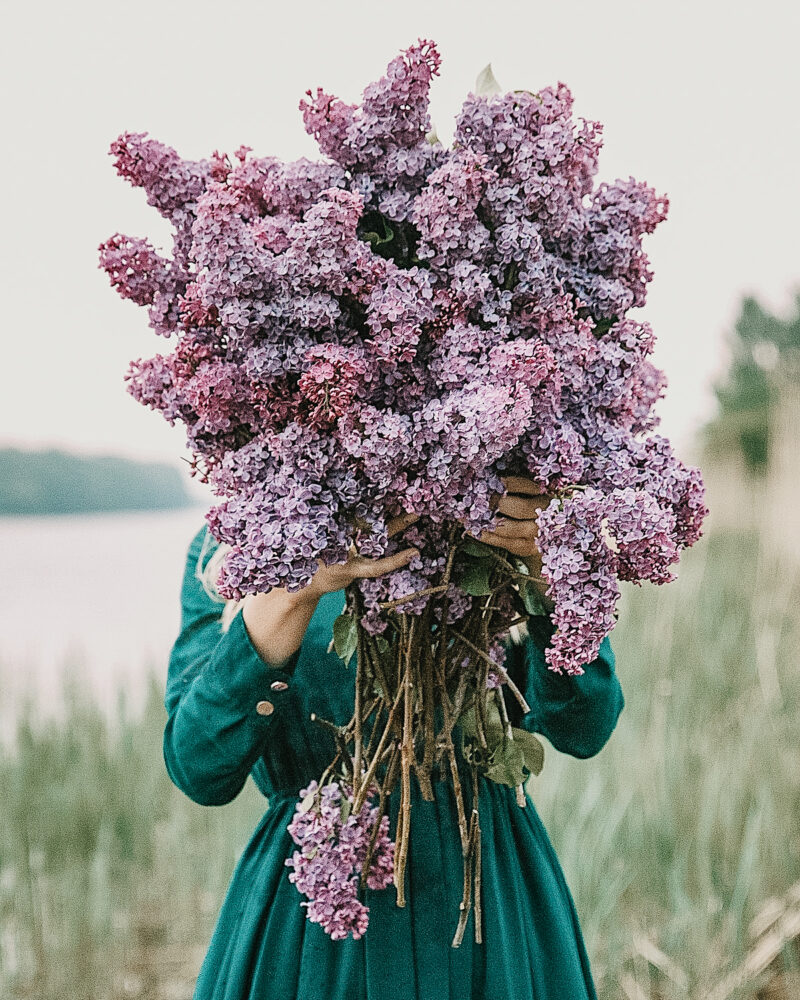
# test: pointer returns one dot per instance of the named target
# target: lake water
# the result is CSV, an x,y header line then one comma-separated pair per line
x,y
93,598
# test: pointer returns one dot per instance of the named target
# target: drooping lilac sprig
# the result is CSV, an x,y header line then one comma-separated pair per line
x,y
594,540
333,846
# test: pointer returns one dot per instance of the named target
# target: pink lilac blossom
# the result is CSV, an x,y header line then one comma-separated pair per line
x,y
400,325
333,850
595,539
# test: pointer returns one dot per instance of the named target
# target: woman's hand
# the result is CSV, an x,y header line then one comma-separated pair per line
x,y
518,531
337,576
276,620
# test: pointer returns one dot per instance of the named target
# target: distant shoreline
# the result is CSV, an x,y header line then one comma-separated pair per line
x,y
52,482
201,509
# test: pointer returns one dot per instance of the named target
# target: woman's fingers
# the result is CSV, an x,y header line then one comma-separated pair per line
x,y
522,508
521,494
506,528
519,546
395,524
370,568
520,484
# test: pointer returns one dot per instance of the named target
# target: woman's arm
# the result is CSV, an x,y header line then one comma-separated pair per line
x,y
219,687
577,714
225,690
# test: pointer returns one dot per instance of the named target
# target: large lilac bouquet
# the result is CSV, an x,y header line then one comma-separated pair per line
x,y
396,327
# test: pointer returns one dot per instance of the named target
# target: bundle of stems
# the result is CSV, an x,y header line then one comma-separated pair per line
x,y
412,687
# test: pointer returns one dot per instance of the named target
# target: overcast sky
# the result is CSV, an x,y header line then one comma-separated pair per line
x,y
700,100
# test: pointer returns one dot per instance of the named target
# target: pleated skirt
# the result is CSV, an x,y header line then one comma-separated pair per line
x,y
264,947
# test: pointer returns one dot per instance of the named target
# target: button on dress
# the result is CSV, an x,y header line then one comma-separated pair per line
x,y
218,732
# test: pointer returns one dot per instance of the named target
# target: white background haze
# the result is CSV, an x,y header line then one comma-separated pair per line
x,y
698,100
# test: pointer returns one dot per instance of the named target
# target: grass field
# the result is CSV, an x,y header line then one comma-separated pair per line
x,y
680,840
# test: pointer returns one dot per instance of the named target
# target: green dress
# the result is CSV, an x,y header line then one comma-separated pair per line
x,y
264,947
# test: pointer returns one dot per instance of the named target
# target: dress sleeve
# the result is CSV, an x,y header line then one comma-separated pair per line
x,y
215,679
576,713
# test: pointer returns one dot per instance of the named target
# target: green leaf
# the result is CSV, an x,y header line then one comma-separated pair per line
x,y
467,722
345,639
532,749
472,547
494,729
475,577
493,720
374,228
602,326
346,809
507,765
306,803
312,853
510,281
494,724
532,599
485,83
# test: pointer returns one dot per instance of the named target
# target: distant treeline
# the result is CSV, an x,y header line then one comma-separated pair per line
x,y
58,482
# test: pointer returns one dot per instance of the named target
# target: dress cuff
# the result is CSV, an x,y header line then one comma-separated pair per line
x,y
551,683
247,682
565,685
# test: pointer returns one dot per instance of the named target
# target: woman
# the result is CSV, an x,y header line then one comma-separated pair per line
x,y
238,701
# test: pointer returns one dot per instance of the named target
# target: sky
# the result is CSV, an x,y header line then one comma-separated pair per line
x,y
699,100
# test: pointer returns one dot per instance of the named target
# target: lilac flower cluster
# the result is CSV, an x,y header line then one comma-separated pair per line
x,y
498,653
398,326
333,850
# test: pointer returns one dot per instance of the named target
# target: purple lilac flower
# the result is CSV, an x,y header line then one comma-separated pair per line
x,y
498,653
330,862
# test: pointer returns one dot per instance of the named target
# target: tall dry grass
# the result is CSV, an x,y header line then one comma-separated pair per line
x,y
674,838
687,822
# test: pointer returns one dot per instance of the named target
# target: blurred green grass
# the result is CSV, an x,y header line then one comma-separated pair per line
x,y
673,838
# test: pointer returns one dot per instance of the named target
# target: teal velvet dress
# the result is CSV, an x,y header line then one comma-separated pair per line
x,y
264,947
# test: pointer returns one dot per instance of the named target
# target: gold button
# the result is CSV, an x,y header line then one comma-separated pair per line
x,y
279,685
265,708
